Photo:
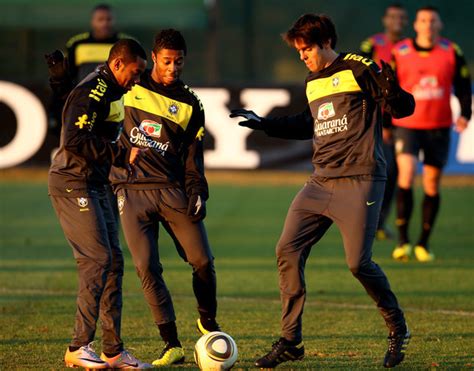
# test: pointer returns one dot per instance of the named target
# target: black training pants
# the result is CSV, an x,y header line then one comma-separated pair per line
x,y
141,211
90,228
354,205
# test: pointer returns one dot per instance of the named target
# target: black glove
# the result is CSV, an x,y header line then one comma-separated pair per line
x,y
387,80
57,65
196,208
253,120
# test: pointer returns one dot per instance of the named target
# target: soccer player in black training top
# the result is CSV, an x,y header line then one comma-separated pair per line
x,y
78,180
168,187
343,117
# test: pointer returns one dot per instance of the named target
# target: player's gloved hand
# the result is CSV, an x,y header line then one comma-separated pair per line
x,y
196,208
387,80
253,120
57,65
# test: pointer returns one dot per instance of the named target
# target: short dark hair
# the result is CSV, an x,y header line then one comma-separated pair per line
x,y
169,39
312,29
102,6
430,8
394,5
128,49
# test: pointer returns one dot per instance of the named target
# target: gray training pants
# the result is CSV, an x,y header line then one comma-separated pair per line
x,y
354,205
141,212
90,228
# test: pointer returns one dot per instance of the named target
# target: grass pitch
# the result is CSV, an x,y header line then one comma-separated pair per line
x,y
342,328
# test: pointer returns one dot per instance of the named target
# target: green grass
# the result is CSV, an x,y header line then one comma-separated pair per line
x,y
342,329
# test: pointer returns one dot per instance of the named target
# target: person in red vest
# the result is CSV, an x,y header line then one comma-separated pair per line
x,y
379,48
428,66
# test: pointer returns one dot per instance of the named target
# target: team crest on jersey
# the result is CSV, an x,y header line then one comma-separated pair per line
x,y
325,111
82,202
120,203
173,108
404,49
335,81
151,128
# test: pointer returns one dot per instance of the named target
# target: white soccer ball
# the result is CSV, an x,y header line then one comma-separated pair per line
x,y
215,351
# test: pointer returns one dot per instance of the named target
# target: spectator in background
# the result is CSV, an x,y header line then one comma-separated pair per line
x,y
379,48
427,66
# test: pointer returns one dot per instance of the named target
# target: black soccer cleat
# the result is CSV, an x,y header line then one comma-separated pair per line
x,y
207,325
397,344
281,352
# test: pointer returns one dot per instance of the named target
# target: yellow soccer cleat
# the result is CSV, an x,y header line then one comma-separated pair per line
x,y
212,325
169,356
85,357
402,252
423,255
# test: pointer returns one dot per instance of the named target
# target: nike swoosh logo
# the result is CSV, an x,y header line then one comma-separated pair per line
x,y
69,190
131,364
370,203
138,98
92,360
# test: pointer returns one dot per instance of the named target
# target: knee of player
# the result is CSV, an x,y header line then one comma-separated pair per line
x,y
359,266
148,267
94,266
202,263
284,250
354,268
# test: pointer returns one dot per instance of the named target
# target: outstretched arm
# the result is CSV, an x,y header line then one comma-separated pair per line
x,y
299,126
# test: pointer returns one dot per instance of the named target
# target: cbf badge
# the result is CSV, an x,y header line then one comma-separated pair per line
x,y
173,108
83,202
120,203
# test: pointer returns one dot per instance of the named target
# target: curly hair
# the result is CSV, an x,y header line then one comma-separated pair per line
x,y
169,39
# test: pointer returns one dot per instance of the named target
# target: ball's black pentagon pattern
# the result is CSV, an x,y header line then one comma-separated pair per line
x,y
214,354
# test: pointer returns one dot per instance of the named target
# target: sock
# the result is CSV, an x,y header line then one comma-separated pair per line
x,y
73,349
291,342
111,355
169,334
209,323
430,211
404,210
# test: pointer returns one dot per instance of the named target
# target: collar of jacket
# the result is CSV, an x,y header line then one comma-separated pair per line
x,y
105,71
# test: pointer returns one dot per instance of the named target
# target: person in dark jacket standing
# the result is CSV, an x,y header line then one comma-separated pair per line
x,y
168,187
78,178
343,118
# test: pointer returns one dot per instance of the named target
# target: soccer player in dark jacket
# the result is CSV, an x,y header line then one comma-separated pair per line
x,y
78,179
167,187
428,66
379,48
343,118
